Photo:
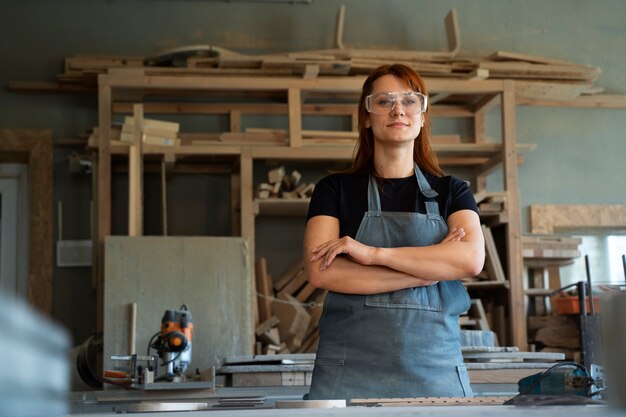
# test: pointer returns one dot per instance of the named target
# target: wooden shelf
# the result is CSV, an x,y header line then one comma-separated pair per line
x,y
464,154
281,207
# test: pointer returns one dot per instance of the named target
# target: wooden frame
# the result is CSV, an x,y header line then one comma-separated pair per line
x,y
35,148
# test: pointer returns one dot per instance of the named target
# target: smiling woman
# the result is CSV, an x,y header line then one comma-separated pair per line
x,y
390,239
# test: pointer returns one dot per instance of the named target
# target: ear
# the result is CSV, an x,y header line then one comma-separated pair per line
x,y
368,124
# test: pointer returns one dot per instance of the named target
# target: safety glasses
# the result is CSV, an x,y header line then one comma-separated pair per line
x,y
383,103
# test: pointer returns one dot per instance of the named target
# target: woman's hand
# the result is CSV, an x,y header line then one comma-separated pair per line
x,y
355,250
454,235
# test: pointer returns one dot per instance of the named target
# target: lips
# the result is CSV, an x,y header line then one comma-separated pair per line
x,y
397,124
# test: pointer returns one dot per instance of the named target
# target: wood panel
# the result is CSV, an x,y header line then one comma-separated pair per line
x,y
35,148
211,275
546,219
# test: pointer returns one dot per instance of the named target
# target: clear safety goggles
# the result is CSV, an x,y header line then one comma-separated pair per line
x,y
383,103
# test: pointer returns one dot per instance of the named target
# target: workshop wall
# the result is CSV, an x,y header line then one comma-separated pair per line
x,y
579,157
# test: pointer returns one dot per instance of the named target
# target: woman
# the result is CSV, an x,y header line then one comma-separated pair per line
x,y
406,235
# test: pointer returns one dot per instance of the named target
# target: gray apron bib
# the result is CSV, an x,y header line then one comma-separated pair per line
x,y
398,344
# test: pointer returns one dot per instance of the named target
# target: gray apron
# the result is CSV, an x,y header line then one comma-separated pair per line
x,y
398,344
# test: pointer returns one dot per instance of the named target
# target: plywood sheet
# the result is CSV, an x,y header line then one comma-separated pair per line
x,y
545,219
211,275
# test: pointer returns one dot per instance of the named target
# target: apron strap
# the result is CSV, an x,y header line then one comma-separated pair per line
x,y
432,207
373,198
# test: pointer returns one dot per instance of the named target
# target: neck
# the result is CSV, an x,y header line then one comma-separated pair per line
x,y
394,162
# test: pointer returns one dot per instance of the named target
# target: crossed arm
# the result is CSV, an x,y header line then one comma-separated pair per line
x,y
371,270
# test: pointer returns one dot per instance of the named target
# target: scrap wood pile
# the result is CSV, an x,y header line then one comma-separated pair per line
x,y
289,310
281,185
538,77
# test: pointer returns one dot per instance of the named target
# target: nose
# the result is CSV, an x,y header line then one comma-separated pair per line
x,y
397,109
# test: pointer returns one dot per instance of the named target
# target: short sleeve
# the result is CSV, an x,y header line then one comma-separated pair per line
x,y
325,198
461,197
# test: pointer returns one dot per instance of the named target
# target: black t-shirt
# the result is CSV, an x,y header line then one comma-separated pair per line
x,y
344,196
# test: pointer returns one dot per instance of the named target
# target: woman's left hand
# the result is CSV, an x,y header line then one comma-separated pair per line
x,y
355,250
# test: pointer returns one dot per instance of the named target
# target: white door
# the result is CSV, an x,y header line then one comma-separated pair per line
x,y
13,231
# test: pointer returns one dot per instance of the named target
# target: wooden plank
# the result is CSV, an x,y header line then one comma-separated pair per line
x,y
294,98
280,283
599,101
135,174
513,56
305,292
296,282
546,219
517,312
264,290
541,90
103,197
540,71
429,401
492,259
534,356
34,147
500,376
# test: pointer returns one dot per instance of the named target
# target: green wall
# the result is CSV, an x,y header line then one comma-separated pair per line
x,y
578,160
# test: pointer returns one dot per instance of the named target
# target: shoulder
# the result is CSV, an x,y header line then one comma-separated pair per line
x,y
446,183
454,191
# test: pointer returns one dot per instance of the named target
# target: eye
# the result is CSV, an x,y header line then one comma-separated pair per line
x,y
384,102
409,102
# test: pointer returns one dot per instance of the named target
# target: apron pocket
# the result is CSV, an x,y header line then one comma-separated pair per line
x,y
418,298
464,380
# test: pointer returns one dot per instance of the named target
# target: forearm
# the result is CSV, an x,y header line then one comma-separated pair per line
x,y
441,262
346,276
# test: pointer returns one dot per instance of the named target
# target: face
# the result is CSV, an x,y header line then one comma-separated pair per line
x,y
397,126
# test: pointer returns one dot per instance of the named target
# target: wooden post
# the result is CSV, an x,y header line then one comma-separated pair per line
x,y
247,215
517,314
235,121
135,173
295,117
103,211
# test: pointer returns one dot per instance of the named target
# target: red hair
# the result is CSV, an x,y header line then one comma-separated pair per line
x,y
423,154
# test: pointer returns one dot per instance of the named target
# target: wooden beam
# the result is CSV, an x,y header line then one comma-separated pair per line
x,y
35,148
103,210
514,246
295,117
597,101
135,174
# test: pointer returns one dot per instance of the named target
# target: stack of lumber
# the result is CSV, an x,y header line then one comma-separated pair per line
x,y
491,204
539,78
281,185
268,370
289,311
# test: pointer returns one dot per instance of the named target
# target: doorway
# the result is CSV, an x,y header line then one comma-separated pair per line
x,y
14,231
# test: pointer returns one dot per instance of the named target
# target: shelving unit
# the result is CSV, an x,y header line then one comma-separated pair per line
x,y
317,96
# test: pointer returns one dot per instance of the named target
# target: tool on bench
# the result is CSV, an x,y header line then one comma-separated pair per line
x,y
173,343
